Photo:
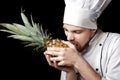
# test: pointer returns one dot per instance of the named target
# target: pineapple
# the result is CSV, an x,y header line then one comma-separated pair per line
x,y
32,34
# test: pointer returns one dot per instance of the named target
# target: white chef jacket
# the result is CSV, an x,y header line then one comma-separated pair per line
x,y
103,54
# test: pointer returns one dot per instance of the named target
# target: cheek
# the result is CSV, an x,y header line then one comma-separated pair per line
x,y
65,33
82,40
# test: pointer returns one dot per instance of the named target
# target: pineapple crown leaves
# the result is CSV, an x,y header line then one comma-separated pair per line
x,y
30,33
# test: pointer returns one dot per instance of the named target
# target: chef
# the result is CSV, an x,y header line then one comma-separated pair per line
x,y
92,53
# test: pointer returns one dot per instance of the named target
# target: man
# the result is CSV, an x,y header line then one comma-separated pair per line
x,y
92,53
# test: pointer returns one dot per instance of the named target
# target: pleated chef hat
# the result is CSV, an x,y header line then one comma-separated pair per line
x,y
84,13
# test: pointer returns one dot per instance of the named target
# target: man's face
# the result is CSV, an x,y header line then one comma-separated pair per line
x,y
78,36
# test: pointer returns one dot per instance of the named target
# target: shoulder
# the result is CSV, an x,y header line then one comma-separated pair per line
x,y
111,45
113,36
112,40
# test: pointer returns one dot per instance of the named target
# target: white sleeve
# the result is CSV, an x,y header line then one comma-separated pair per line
x,y
63,75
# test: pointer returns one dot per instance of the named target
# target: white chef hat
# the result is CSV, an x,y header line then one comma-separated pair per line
x,y
84,13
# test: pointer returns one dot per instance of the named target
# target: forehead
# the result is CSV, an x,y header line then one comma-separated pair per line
x,y
72,27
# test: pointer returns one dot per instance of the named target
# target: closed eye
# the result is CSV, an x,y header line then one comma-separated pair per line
x,y
74,31
77,32
65,29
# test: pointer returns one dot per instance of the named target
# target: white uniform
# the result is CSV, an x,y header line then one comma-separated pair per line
x,y
103,54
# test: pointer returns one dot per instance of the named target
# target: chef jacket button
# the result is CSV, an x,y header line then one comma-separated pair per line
x,y
96,69
100,44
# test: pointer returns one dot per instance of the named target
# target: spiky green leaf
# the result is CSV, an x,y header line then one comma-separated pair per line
x,y
31,33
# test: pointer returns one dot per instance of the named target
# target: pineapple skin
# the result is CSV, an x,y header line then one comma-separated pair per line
x,y
56,43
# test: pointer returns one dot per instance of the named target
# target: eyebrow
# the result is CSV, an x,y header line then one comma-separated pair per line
x,y
74,30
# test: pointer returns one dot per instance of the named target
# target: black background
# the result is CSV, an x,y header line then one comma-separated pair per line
x,y
18,62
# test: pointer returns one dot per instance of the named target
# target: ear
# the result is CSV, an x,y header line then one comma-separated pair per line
x,y
93,31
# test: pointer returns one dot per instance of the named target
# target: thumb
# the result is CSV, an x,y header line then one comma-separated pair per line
x,y
69,44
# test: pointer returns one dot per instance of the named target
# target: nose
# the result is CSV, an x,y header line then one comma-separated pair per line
x,y
70,36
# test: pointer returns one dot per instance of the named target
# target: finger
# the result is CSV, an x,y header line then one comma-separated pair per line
x,y
48,59
55,49
69,44
54,53
61,63
56,58
55,64
50,48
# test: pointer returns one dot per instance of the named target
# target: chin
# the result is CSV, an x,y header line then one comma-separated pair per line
x,y
79,49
